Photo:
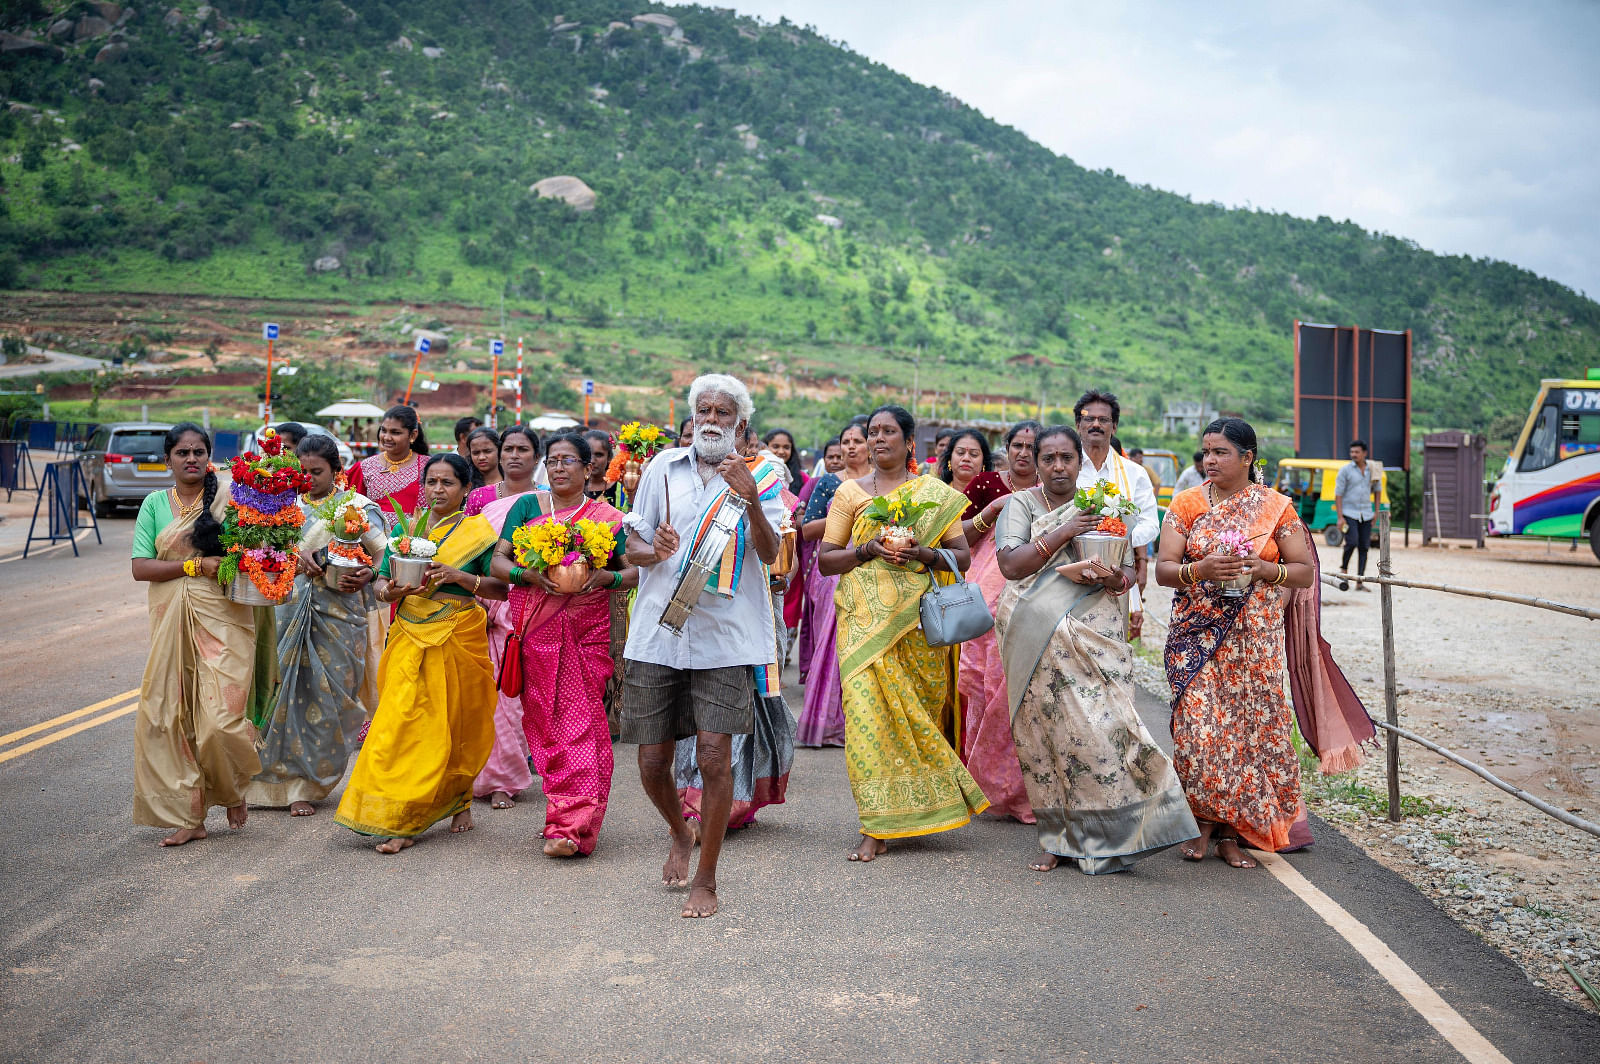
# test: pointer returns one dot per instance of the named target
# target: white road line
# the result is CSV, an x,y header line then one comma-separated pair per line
x,y
81,535
1450,1024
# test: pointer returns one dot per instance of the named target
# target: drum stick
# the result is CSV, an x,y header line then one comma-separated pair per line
x,y
666,497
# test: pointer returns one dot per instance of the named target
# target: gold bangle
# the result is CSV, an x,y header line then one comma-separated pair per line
x,y
978,525
477,583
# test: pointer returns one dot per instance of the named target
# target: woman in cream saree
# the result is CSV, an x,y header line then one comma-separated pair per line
x,y
1102,790
434,725
194,747
901,717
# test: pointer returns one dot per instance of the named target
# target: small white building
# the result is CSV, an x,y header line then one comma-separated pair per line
x,y
1186,417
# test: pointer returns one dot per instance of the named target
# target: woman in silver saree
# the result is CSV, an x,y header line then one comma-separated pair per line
x,y
322,653
1104,793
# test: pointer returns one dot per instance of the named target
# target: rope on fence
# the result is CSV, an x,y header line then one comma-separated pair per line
x,y
1510,788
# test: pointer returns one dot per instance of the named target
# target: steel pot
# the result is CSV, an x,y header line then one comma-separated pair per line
x,y
1111,550
243,590
410,572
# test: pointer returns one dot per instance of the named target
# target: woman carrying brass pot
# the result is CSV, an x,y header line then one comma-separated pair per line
x,y
565,650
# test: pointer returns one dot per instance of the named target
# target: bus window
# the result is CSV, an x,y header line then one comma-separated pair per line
x,y
1580,434
1541,450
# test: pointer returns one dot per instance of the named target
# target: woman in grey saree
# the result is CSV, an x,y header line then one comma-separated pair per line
x,y
322,656
1103,791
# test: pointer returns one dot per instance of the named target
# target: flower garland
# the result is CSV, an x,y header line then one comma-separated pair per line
x,y
261,526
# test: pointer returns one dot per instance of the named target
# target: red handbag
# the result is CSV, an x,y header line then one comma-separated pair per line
x,y
511,661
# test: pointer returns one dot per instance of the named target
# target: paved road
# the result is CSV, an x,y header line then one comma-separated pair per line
x,y
55,362
291,940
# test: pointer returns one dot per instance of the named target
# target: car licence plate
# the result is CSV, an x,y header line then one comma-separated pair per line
x,y
151,467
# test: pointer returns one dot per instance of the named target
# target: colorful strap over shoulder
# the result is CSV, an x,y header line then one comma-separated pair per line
x,y
725,582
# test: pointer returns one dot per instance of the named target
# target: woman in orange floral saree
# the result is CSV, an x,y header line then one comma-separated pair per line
x,y
1232,719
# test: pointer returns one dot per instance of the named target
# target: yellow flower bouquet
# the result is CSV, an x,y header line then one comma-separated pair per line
x,y
552,543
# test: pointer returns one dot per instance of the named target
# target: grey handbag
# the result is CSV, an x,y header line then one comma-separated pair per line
x,y
953,613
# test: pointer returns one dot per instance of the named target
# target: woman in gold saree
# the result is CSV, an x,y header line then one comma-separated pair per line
x,y
902,720
434,725
194,747
1232,720
1104,793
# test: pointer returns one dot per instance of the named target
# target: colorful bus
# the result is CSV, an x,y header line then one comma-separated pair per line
x,y
1550,485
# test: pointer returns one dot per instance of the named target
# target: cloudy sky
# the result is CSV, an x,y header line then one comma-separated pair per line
x,y
1467,126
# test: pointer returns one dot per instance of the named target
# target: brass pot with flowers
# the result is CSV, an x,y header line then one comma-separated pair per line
x,y
566,552
637,443
898,516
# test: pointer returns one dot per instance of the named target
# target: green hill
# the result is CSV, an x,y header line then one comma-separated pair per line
x,y
754,186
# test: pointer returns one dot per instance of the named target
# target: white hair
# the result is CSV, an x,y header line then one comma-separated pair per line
x,y
722,384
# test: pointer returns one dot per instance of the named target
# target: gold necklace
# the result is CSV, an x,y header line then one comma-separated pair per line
x,y
395,467
184,509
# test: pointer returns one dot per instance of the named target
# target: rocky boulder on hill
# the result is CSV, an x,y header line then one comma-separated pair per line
x,y
571,191
89,27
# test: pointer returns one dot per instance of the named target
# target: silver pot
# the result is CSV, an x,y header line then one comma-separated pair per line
x,y
1110,550
336,568
1237,587
244,591
411,572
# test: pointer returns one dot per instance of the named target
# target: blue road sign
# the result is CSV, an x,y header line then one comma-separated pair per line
x,y
497,347
423,345
588,387
269,330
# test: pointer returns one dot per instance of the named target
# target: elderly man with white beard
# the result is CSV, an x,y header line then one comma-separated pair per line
x,y
699,682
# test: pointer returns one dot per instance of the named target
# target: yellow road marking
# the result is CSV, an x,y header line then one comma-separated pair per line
x,y
1451,1025
44,725
28,748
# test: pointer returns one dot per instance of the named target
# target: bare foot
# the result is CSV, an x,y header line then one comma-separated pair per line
x,y
1044,862
694,829
395,845
462,821
675,873
500,800
870,849
237,815
1229,850
702,902
560,847
302,809
183,835
1197,848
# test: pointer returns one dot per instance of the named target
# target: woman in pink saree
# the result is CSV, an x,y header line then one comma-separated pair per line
x,y
566,654
506,774
987,748
822,715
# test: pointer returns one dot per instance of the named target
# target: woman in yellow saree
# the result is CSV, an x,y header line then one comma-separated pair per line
x,y
901,716
193,745
434,725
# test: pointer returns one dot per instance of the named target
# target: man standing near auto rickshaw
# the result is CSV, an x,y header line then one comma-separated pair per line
x,y
1357,489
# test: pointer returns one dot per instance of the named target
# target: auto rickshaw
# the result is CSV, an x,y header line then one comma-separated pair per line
x,y
1165,465
1310,483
